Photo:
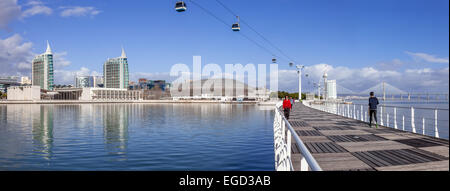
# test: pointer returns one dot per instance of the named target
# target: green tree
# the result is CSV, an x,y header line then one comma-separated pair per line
x,y
282,94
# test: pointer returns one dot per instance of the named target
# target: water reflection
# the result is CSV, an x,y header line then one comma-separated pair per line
x,y
115,127
42,130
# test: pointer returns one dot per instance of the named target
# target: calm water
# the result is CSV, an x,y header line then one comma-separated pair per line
x,y
136,137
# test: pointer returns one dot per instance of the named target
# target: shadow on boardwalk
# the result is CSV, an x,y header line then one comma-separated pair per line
x,y
339,143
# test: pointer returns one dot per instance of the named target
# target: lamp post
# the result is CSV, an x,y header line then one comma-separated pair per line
x,y
299,72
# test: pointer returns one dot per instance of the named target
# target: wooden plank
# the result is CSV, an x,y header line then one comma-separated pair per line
x,y
343,132
429,166
380,161
381,155
411,156
339,161
440,150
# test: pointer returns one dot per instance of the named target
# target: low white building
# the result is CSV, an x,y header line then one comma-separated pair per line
x,y
331,89
24,93
110,94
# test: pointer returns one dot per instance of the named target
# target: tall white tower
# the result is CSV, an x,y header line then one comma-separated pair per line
x,y
42,70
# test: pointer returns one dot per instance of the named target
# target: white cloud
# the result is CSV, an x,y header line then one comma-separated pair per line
x,y
60,60
390,65
77,11
9,10
428,58
15,55
36,8
358,79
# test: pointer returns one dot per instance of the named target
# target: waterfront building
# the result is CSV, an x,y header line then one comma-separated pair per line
x,y
142,80
152,89
88,81
106,94
115,72
25,80
42,70
84,81
331,89
227,90
310,96
8,81
24,93
98,81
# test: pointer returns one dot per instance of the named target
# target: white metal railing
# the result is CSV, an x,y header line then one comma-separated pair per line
x,y
282,134
389,116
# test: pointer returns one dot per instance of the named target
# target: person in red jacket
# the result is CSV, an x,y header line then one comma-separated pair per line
x,y
287,106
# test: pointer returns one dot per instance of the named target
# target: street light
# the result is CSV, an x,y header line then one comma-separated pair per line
x,y
299,72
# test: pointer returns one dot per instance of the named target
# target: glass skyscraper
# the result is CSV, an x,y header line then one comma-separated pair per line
x,y
115,72
42,70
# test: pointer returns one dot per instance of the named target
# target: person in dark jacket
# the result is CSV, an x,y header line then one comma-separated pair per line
x,y
373,102
286,107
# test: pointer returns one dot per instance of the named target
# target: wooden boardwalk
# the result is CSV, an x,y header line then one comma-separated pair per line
x,y
344,144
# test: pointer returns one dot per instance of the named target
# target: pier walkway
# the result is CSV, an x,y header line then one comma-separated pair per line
x,y
344,144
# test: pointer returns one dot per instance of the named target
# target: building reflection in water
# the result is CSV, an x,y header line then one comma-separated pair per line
x,y
115,127
42,130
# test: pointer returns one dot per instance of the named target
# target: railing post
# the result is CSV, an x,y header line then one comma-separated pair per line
x,y
423,125
436,132
403,122
362,117
354,111
395,118
381,116
413,126
365,116
303,164
348,110
387,119
289,142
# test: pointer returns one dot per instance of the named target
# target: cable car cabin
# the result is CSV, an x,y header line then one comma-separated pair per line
x,y
180,6
274,60
235,27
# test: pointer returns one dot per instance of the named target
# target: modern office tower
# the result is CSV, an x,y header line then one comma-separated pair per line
x,y
84,81
331,89
42,70
88,81
115,72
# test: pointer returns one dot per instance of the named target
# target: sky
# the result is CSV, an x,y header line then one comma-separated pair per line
x,y
360,43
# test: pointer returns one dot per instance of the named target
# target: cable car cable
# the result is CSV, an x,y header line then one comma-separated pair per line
x,y
227,24
254,30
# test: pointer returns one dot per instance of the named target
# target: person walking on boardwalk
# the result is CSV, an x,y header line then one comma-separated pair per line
x,y
292,102
286,107
373,102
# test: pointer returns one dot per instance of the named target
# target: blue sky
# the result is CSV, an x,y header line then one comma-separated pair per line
x,y
386,35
